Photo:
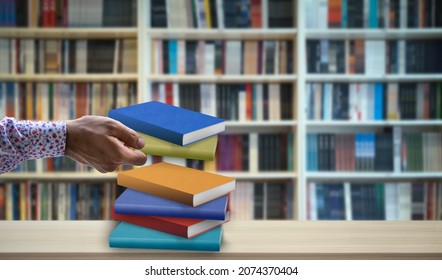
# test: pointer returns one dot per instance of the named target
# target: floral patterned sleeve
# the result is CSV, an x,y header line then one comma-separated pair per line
x,y
24,140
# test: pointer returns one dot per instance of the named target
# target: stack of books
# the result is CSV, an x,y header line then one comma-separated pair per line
x,y
168,206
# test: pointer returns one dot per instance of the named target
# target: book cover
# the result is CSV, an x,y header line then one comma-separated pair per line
x,y
139,203
127,235
203,150
167,122
178,183
184,227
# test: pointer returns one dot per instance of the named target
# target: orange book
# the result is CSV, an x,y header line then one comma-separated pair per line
x,y
178,183
255,13
82,105
334,13
249,101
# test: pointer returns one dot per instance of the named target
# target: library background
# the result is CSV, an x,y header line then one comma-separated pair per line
x,y
333,107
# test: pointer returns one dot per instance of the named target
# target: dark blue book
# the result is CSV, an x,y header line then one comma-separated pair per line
x,y
170,123
140,203
127,235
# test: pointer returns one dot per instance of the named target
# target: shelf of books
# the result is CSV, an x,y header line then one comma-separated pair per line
x,y
62,60
235,60
372,110
67,59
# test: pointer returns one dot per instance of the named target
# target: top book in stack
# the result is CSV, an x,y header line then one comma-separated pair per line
x,y
170,123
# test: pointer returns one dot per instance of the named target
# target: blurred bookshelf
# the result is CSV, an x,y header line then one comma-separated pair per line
x,y
271,68
360,138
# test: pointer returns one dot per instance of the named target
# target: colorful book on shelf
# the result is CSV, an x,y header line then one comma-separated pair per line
x,y
178,183
167,122
184,227
134,202
202,150
127,235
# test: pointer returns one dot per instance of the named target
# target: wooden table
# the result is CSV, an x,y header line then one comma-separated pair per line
x,y
241,240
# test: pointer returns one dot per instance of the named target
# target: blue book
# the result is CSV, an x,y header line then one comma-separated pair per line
x,y
2,20
337,204
127,235
170,123
173,57
315,152
321,203
73,201
309,152
327,102
140,203
379,101
344,14
373,14
13,14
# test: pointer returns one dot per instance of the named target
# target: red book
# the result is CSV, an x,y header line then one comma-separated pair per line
x,y
52,14
157,159
334,13
50,164
45,22
256,16
64,13
183,227
432,203
426,101
351,149
169,93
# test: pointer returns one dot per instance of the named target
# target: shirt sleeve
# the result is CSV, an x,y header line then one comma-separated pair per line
x,y
25,140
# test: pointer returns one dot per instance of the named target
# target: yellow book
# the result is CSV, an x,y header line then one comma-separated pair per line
x,y
178,183
210,166
202,150
208,16
23,203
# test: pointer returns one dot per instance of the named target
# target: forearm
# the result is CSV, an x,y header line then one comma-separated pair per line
x,y
24,140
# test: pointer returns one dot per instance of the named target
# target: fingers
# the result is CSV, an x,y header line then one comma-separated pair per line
x,y
127,135
133,157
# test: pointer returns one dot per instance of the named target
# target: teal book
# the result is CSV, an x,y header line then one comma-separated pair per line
x,y
127,235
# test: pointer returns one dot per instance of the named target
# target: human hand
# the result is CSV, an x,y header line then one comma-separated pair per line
x,y
103,143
